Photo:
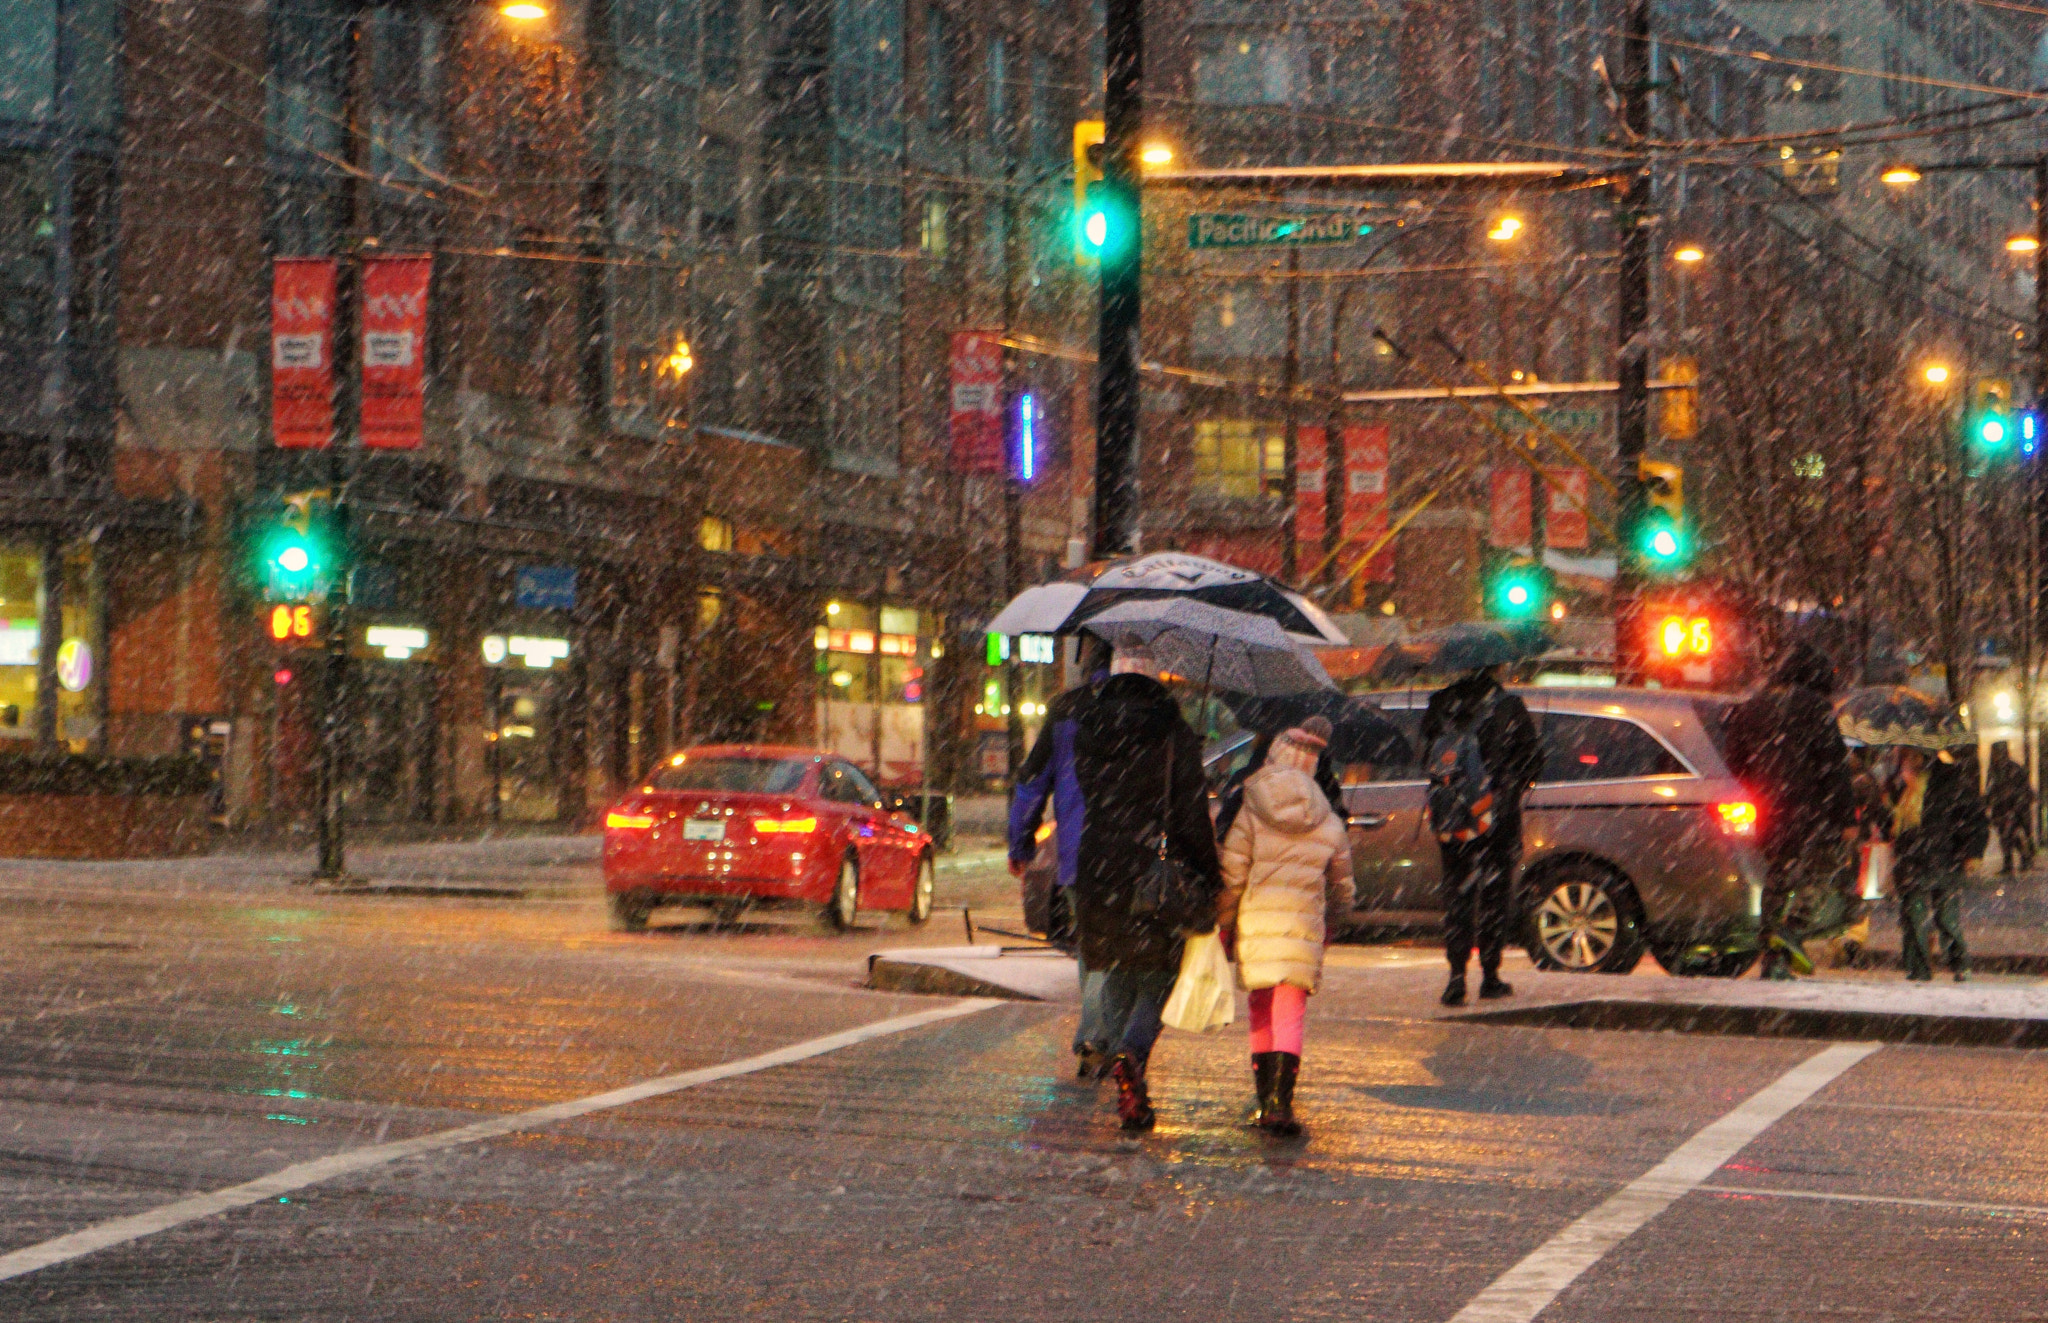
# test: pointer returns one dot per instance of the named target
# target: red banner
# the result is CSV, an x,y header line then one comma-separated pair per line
x,y
395,351
977,414
1365,499
301,352
1507,508
1564,517
1309,453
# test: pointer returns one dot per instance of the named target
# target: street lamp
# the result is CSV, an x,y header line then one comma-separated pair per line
x,y
2023,243
524,10
1936,374
1902,175
1157,155
1505,229
1690,253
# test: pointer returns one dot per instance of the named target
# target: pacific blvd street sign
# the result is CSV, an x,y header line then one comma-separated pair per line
x,y
1224,229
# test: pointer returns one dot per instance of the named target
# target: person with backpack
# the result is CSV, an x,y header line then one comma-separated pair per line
x,y
1482,753
1139,769
1286,889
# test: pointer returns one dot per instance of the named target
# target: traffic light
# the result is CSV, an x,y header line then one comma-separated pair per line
x,y
1091,221
295,557
1991,424
1682,637
1663,539
1519,589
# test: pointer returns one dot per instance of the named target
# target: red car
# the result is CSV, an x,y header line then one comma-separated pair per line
x,y
740,825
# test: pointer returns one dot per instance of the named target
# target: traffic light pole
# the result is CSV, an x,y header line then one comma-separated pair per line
x,y
1013,483
2030,739
1116,400
1632,366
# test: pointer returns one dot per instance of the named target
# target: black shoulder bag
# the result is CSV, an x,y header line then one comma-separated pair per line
x,y
1170,893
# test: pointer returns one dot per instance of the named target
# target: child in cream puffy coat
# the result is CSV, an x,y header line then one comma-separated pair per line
x,y
1286,889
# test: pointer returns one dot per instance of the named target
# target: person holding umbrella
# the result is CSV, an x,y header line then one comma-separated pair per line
x,y
1942,831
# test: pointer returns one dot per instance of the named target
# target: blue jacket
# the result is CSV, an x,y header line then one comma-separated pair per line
x,y
1048,774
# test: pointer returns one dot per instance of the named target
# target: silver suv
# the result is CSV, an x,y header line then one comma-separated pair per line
x,y
1635,837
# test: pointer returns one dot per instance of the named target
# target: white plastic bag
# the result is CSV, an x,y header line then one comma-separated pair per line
x,y
1204,995
1874,874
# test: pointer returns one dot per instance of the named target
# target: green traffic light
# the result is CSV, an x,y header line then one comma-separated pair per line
x,y
1664,544
1096,227
1518,592
294,568
294,560
1991,432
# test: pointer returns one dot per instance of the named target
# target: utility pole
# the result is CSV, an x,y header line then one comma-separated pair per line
x,y
2037,539
1013,480
1290,378
348,289
1632,367
1116,402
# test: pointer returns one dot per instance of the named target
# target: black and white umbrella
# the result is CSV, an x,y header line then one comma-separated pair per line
x,y
1077,598
1214,646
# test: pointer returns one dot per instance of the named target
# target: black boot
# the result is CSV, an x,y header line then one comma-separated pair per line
x,y
1492,986
1265,1070
1090,1062
1454,991
1278,1117
1133,1105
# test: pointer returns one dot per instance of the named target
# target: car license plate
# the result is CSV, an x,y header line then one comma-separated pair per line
x,y
704,829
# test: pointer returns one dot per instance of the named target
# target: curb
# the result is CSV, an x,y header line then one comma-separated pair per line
x,y
1775,1022
934,981
468,891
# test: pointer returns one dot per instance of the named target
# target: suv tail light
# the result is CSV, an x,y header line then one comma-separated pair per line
x,y
790,826
1737,817
617,821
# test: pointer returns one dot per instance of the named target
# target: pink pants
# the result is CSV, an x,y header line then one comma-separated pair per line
x,y
1277,1015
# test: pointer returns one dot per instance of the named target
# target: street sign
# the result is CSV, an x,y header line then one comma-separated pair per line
x,y
545,587
1566,419
1227,229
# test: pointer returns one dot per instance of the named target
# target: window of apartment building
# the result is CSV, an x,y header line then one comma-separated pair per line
x,y
28,59
407,112
27,247
939,56
303,125
1239,457
723,29
519,310
714,533
1810,84
932,225
1243,66
1357,69
718,221
998,80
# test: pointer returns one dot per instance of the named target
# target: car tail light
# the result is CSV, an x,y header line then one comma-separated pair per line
x,y
617,821
1737,817
786,826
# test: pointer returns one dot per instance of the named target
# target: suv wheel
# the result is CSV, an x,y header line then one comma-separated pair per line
x,y
1586,920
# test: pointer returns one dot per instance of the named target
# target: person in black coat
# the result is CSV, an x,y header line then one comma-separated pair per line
x,y
2011,801
1140,770
1782,743
1942,831
1479,874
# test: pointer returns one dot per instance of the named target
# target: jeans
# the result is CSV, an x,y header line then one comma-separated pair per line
x,y
1944,895
1131,1003
1090,1033
1478,894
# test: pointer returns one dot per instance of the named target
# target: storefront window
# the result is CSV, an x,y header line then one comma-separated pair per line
x,y
79,654
81,650
21,594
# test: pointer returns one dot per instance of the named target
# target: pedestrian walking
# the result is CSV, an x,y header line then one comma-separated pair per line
x,y
1231,798
1483,754
1047,778
2011,801
1286,890
1782,743
1139,768
1941,830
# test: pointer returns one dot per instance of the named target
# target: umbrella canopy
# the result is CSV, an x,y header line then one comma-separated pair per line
x,y
1078,597
1467,646
1893,714
1359,731
1220,648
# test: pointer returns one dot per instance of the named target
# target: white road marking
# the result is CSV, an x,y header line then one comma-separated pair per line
x,y
121,1230
1526,1290
1753,1192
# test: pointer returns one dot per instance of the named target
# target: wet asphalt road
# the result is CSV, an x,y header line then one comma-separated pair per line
x,y
168,1032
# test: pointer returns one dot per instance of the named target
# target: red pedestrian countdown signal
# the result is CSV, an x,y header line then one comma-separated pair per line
x,y
294,625
1685,638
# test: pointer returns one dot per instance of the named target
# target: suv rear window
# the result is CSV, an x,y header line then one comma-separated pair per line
x,y
759,776
1587,748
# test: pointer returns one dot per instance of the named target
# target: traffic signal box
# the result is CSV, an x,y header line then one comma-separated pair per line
x,y
1091,219
1991,426
296,624
297,570
1664,540
1697,637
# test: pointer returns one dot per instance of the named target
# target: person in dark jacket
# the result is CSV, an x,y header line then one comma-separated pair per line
x,y
1942,831
1140,771
2011,801
1231,798
1047,779
1479,874
1782,743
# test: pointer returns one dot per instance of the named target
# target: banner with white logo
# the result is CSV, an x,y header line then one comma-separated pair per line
x,y
977,412
394,351
301,352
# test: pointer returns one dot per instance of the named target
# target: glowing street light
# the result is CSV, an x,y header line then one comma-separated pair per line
x,y
1689,254
1936,374
525,11
2023,243
1901,175
1505,228
1156,154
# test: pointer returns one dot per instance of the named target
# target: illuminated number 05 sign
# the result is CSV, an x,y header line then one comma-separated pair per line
x,y
293,624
